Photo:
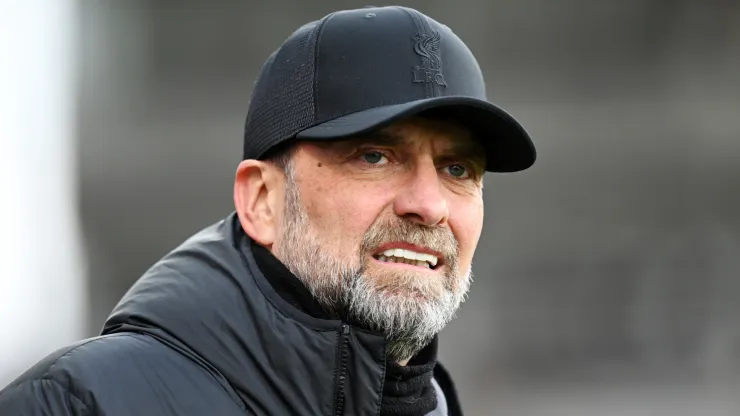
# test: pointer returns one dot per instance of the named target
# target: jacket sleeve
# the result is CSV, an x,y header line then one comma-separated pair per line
x,y
40,397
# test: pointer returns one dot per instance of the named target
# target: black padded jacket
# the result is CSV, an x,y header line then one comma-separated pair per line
x,y
203,332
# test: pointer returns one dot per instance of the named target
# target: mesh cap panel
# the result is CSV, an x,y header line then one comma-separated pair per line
x,y
282,101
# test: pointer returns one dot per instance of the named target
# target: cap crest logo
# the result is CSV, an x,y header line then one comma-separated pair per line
x,y
430,70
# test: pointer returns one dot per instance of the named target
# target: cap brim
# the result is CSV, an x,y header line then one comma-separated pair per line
x,y
507,145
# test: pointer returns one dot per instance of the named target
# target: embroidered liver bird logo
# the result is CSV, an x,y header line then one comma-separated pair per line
x,y
430,70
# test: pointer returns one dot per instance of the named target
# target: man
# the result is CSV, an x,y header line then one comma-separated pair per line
x,y
358,207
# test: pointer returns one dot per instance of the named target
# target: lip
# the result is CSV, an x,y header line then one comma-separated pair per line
x,y
409,266
413,247
408,246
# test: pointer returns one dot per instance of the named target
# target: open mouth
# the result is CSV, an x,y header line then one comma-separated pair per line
x,y
406,256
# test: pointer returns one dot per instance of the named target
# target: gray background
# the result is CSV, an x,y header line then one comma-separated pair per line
x,y
607,277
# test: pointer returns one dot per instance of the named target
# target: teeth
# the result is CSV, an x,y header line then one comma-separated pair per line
x,y
409,257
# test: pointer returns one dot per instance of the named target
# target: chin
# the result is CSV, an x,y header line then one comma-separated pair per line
x,y
417,288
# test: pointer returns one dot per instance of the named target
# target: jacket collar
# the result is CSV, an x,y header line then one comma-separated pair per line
x,y
209,300
285,283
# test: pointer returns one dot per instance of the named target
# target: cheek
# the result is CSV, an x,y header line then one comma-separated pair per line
x,y
466,221
342,212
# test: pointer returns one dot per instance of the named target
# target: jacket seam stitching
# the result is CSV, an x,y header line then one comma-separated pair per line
x,y
47,374
382,383
196,359
68,391
201,363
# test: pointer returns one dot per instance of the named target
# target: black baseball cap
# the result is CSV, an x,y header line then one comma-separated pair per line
x,y
355,71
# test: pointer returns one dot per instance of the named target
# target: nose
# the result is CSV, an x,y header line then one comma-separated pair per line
x,y
421,198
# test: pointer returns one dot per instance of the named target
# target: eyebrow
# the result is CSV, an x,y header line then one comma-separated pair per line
x,y
468,149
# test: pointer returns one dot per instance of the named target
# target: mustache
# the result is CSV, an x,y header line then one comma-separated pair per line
x,y
439,239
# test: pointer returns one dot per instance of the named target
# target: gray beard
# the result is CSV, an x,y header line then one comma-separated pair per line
x,y
408,310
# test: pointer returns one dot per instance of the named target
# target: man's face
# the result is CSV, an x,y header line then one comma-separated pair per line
x,y
382,229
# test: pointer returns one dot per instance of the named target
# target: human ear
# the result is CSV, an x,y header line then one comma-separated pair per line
x,y
256,199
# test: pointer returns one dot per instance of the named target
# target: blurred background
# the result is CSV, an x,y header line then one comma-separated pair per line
x,y
607,279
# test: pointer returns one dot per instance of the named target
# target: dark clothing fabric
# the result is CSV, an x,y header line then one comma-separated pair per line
x,y
286,284
407,390
203,332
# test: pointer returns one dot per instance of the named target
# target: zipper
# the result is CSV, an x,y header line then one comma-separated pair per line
x,y
342,355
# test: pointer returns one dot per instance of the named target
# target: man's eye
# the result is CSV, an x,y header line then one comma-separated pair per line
x,y
458,171
374,158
